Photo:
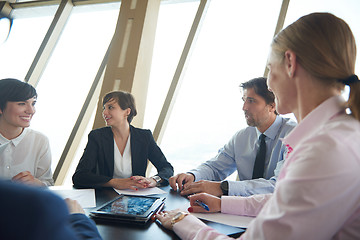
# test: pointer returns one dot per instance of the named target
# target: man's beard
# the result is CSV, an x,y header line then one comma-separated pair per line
x,y
250,120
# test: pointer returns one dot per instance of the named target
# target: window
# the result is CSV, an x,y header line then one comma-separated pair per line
x,y
231,48
18,52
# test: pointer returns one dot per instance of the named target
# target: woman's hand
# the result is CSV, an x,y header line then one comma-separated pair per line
x,y
134,183
165,218
213,202
148,182
27,178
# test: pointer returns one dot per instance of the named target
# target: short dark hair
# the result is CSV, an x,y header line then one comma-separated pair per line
x,y
14,90
124,99
260,87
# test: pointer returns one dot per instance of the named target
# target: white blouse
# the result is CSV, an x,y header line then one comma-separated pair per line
x,y
122,163
30,151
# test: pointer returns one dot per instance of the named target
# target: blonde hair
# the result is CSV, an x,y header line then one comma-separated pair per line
x,y
325,47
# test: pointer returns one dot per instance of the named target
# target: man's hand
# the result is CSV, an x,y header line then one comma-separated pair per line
x,y
74,206
27,178
203,186
181,180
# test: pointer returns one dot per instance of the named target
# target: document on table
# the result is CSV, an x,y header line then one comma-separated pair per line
x,y
141,191
228,219
232,220
85,197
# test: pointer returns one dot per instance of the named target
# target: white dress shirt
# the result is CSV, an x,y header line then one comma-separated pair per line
x,y
30,151
122,163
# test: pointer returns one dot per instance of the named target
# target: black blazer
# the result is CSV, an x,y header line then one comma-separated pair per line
x,y
96,166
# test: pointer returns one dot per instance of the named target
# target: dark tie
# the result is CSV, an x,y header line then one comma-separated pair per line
x,y
259,165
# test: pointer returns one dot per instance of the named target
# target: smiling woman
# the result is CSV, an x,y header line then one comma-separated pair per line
x,y
25,153
116,156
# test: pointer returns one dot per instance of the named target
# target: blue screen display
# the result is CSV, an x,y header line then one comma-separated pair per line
x,y
133,205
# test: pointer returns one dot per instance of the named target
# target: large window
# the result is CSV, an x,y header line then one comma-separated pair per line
x,y
18,52
231,48
69,74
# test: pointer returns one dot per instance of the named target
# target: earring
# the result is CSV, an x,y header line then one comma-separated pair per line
x,y
290,74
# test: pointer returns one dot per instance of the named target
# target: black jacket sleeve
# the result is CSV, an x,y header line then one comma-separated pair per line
x,y
156,157
96,165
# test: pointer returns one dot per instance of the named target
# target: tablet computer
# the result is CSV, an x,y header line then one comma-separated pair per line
x,y
130,209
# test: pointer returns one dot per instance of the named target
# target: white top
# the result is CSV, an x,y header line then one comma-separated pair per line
x,y
30,151
122,163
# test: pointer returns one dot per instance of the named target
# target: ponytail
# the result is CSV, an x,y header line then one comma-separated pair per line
x,y
354,100
354,97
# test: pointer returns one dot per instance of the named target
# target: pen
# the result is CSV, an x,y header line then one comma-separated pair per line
x,y
203,205
153,217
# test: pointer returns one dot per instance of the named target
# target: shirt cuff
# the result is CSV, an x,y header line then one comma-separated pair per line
x,y
228,203
188,227
236,188
196,176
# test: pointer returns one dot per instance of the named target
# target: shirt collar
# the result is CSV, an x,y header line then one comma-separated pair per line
x,y
316,118
273,129
14,141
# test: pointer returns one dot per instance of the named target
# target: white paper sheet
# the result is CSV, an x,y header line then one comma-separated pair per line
x,y
85,197
232,220
141,192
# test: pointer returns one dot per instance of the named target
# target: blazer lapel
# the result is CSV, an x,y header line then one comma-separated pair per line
x,y
109,150
137,161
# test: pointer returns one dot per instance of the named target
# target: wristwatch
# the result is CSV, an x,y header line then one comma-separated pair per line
x,y
178,217
157,179
224,185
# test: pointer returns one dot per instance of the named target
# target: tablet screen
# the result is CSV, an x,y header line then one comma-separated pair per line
x,y
133,205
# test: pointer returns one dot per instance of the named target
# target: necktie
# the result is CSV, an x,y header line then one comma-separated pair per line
x,y
259,165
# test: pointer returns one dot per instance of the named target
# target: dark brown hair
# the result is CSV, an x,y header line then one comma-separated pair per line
x,y
124,99
260,87
13,90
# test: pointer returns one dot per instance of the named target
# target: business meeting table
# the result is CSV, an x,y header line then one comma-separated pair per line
x,y
152,230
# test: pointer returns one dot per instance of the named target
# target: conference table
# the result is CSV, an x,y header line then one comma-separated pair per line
x,y
152,230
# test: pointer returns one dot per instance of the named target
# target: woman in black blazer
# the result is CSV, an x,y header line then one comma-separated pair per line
x,y
116,156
